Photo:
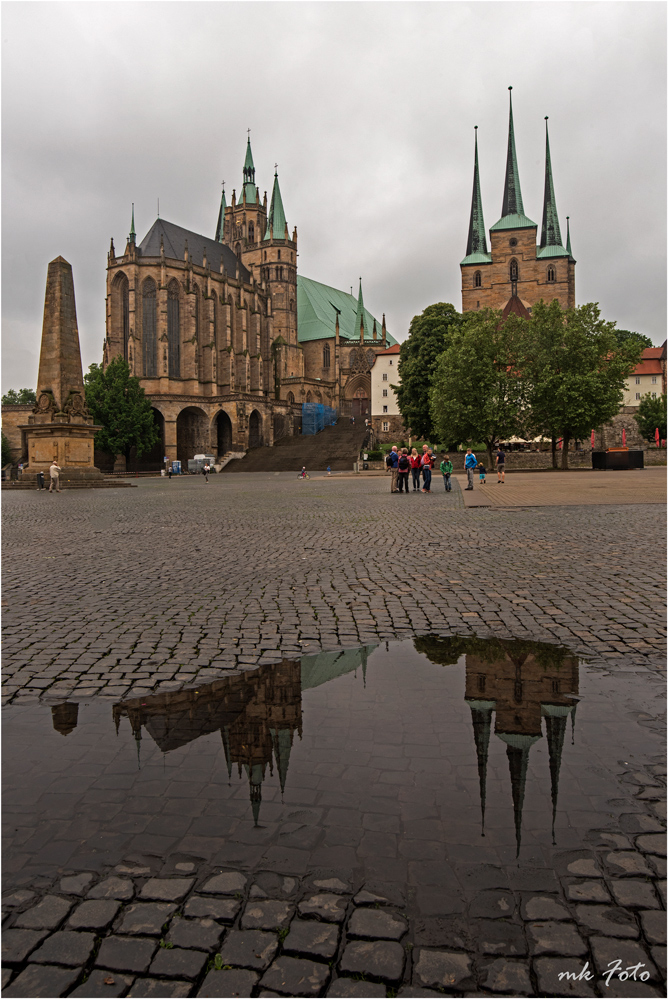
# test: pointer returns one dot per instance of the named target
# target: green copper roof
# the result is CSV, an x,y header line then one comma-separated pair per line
x,y
568,238
316,315
543,252
513,209
249,177
221,219
360,323
276,216
513,222
476,246
550,234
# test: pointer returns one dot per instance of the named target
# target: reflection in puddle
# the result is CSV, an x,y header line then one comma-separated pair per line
x,y
389,758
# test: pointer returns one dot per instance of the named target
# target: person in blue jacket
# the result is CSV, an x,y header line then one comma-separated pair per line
x,y
470,463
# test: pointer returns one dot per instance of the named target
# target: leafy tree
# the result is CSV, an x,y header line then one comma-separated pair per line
x,y
117,402
575,369
7,458
23,397
650,416
427,338
624,336
477,392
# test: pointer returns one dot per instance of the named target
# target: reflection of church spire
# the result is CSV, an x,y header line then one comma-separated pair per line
x,y
517,750
255,777
573,725
556,719
364,661
225,736
282,744
481,716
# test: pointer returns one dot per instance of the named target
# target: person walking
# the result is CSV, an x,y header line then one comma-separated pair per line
x,y
470,463
392,463
206,470
403,468
482,473
426,472
446,472
500,466
415,462
54,473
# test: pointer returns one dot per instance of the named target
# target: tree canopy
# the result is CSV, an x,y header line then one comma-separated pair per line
x,y
428,337
651,416
624,336
22,397
117,402
575,368
7,458
478,393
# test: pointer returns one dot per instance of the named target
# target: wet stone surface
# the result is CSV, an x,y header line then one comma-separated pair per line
x,y
234,776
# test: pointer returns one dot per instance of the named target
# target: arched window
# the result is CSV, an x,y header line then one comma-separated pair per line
x,y
265,254
291,398
121,307
477,279
148,329
251,232
308,396
551,274
174,330
514,271
325,356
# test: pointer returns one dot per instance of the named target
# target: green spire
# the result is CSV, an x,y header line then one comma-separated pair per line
x,y
481,716
282,744
512,195
550,234
359,322
512,212
249,177
133,234
221,219
276,216
555,726
476,247
568,237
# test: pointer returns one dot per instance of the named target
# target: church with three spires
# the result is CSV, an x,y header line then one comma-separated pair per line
x,y
516,271
226,338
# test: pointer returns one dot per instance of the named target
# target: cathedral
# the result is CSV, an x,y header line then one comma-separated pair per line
x,y
517,271
227,339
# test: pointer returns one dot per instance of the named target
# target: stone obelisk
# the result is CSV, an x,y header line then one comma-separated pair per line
x,y
60,426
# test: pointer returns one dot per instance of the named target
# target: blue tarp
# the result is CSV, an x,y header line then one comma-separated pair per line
x,y
315,417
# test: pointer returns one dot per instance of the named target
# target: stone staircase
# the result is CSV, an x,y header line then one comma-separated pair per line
x,y
336,446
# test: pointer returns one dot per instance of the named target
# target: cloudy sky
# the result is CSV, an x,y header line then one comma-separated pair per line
x,y
368,108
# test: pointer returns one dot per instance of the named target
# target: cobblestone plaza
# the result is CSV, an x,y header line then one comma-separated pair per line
x,y
359,869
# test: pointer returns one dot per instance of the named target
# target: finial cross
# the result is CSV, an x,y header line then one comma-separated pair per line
x,y
248,130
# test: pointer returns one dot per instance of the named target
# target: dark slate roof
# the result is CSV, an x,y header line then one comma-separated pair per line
x,y
174,238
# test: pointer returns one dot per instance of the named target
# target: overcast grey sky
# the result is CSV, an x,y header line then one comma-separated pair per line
x,y
368,108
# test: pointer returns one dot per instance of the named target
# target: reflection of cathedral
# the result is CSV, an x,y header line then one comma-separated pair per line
x,y
522,692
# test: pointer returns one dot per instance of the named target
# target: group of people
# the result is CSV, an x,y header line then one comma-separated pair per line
x,y
403,465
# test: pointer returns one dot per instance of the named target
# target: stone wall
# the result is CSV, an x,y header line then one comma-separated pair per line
x,y
12,418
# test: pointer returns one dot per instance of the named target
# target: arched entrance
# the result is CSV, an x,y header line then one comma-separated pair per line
x,y
360,402
223,433
255,430
192,434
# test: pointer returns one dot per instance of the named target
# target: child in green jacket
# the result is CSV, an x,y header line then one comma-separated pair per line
x,y
446,472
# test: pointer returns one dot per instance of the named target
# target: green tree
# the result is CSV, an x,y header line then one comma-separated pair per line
x,y
477,392
117,403
427,338
651,416
7,458
575,369
23,397
624,336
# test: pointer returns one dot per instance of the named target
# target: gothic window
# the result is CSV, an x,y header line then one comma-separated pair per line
x,y
173,330
514,271
251,232
352,358
477,279
279,254
291,398
265,254
325,356
551,274
121,307
292,305
149,330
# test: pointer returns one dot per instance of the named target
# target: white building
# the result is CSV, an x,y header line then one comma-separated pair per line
x,y
385,416
648,377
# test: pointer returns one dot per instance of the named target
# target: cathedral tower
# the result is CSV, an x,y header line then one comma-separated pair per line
x,y
516,266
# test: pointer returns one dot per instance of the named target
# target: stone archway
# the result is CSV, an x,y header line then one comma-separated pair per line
x,y
360,402
255,430
223,433
192,435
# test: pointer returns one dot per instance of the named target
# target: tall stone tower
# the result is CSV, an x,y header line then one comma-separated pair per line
x,y
516,266
262,242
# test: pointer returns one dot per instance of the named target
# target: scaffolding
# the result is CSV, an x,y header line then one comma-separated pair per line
x,y
315,417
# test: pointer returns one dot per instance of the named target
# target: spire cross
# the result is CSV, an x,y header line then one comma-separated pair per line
x,y
275,169
248,130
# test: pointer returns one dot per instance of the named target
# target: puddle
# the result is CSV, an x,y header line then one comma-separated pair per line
x,y
410,763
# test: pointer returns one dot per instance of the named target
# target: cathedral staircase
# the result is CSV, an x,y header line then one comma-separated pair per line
x,y
337,446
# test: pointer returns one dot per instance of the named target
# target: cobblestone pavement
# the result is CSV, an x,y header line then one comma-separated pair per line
x,y
580,488
112,591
